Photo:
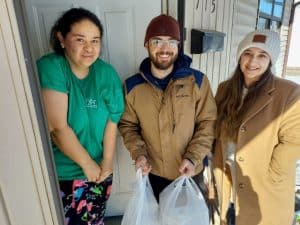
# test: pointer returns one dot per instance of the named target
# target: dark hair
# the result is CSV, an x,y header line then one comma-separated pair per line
x,y
232,107
65,22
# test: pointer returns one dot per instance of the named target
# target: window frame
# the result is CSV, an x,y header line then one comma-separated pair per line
x,y
270,17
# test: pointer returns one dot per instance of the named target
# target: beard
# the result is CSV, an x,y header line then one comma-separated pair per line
x,y
160,64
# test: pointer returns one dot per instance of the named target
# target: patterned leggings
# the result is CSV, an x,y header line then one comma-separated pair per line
x,y
84,202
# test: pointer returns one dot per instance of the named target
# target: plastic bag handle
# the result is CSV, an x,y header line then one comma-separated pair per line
x,y
185,180
139,174
143,181
180,180
195,187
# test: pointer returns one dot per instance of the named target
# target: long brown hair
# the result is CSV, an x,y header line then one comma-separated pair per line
x,y
232,107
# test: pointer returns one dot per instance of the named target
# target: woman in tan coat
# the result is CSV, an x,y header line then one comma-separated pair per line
x,y
258,137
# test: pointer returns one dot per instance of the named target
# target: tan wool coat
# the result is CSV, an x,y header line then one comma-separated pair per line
x,y
267,148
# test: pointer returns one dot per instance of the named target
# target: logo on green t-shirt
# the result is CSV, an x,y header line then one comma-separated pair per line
x,y
91,103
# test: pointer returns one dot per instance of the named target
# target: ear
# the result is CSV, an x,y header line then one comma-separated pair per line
x,y
146,45
60,37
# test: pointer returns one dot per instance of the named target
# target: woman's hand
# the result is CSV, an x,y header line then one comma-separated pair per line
x,y
92,171
106,169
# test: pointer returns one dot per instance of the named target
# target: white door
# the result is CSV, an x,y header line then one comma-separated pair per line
x,y
124,23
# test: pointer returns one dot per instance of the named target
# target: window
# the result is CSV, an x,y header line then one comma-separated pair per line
x,y
270,14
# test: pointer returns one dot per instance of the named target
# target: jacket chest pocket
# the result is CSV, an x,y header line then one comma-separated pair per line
x,y
183,101
183,94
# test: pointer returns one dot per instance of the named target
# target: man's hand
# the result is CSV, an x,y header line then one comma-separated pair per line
x,y
187,168
142,162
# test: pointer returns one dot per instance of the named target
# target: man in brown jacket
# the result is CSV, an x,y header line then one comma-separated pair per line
x,y
168,123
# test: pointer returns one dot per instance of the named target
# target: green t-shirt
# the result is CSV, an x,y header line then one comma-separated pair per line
x,y
91,102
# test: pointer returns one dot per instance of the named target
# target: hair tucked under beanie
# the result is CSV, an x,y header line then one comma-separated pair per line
x,y
267,40
163,25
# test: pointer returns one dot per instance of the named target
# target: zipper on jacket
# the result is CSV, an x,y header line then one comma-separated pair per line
x,y
163,100
173,128
172,106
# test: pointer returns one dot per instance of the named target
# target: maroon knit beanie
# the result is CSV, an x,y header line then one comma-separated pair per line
x,y
163,25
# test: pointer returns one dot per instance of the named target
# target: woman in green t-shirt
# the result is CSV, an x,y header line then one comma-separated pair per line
x,y
83,102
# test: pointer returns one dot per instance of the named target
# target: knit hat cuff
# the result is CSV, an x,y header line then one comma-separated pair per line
x,y
268,41
162,25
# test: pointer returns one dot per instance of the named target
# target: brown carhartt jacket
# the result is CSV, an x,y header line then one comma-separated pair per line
x,y
167,126
268,146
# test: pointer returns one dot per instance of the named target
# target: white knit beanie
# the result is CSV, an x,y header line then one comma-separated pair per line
x,y
267,40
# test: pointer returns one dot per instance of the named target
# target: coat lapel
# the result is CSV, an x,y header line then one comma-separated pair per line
x,y
265,99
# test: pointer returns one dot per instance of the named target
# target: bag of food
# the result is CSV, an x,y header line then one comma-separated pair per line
x,y
142,208
182,203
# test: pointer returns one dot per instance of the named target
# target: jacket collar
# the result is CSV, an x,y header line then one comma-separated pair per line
x,y
265,99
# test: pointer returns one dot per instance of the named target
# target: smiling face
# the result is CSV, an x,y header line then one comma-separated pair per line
x,y
253,63
163,52
82,46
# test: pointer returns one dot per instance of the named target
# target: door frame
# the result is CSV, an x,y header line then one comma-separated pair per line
x,y
53,189
28,193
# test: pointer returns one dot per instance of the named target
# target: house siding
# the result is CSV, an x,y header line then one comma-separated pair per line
x,y
233,17
284,33
211,15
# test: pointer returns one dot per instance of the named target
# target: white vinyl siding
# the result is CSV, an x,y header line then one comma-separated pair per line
x,y
245,15
211,15
235,18
232,17
284,32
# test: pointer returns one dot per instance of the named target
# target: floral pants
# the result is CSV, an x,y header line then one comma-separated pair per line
x,y
85,202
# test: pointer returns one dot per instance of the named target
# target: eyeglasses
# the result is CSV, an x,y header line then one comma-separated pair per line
x,y
160,43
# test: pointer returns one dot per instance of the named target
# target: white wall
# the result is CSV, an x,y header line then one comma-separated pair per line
x,y
294,55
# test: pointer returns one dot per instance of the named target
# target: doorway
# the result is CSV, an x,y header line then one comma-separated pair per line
x,y
124,24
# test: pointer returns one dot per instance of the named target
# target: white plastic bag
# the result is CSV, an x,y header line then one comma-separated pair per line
x,y
182,203
142,208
